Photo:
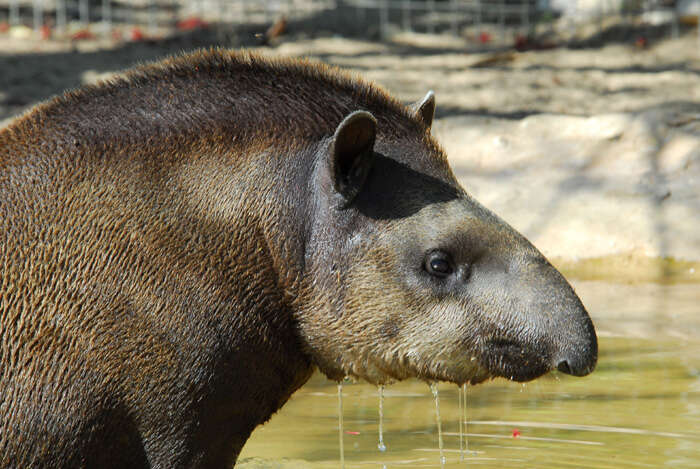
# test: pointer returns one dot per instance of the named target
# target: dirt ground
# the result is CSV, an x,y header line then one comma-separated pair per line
x,y
594,154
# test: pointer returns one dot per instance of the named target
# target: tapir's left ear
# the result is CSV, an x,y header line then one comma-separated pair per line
x,y
425,109
352,153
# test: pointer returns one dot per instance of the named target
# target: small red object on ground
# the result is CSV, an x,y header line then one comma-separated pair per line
x,y
641,42
189,24
516,433
352,433
45,32
4,27
137,34
484,37
82,34
522,43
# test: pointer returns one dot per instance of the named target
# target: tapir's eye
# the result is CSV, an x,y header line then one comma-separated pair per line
x,y
438,263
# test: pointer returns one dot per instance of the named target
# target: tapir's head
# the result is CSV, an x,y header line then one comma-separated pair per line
x,y
408,276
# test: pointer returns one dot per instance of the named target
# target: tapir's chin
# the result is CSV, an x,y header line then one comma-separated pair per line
x,y
379,372
516,362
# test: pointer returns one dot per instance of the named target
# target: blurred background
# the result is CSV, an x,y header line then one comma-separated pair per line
x,y
577,121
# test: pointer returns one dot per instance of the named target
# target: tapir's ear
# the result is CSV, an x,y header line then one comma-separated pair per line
x,y
352,153
425,108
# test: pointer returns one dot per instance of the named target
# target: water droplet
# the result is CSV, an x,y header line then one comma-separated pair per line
x,y
461,430
463,418
434,390
340,425
381,445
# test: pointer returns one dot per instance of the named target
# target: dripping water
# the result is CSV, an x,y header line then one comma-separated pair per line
x,y
340,425
434,390
461,428
381,445
463,419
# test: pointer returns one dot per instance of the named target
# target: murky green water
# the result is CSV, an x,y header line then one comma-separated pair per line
x,y
639,409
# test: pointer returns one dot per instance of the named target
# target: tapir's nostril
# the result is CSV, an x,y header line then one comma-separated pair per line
x,y
564,367
576,367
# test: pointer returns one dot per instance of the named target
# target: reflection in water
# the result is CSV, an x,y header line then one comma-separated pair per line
x,y
639,409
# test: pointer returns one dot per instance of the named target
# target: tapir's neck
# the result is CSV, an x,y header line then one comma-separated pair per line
x,y
254,207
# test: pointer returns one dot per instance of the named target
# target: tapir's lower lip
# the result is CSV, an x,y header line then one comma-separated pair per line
x,y
512,360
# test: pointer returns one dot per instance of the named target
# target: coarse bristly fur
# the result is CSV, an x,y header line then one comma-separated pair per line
x,y
183,244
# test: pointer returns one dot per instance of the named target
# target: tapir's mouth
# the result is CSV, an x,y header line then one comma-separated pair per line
x,y
513,360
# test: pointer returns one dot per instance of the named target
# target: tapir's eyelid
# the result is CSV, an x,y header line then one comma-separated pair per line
x,y
438,264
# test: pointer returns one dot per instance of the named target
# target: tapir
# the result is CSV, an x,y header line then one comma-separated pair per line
x,y
184,244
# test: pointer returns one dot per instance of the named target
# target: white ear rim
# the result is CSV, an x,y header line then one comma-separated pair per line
x,y
425,108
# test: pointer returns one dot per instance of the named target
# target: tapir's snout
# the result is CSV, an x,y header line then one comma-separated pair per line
x,y
532,350
579,356
541,324
574,340
579,361
577,366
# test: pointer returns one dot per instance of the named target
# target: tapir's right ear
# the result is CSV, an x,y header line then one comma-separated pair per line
x,y
352,153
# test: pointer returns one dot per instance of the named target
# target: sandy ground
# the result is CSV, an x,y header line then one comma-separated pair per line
x,y
594,154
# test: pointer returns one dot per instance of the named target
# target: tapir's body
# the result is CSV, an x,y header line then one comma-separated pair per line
x,y
179,250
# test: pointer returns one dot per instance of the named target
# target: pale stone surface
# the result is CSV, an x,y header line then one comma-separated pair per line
x,y
583,187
